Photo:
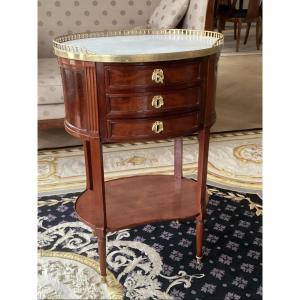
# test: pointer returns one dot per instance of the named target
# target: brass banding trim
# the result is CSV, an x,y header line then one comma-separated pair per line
x,y
77,53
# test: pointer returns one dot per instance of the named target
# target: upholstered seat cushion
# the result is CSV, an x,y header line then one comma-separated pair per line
x,y
196,15
49,82
168,14
58,17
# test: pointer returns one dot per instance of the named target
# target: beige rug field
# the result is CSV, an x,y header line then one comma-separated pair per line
x,y
235,160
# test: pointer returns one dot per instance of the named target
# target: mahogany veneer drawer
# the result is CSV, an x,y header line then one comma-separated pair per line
x,y
153,103
154,75
151,128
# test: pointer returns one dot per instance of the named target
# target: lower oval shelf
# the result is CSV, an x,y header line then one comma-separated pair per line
x,y
139,200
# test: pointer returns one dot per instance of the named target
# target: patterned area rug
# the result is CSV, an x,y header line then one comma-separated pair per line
x,y
235,161
67,275
156,261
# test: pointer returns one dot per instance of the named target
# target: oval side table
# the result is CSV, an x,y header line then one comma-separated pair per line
x,y
128,86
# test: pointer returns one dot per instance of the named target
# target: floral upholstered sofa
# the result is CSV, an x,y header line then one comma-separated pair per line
x,y
58,17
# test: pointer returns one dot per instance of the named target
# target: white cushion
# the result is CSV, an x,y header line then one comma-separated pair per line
x,y
49,82
168,14
196,15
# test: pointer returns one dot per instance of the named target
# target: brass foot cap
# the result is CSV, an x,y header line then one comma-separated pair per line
x,y
103,279
198,259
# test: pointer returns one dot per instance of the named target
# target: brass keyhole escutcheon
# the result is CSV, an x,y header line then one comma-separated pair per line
x,y
158,127
157,101
158,76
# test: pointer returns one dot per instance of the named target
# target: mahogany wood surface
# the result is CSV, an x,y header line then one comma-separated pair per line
x,y
93,110
140,104
178,153
210,15
203,138
112,102
96,187
139,76
149,199
141,129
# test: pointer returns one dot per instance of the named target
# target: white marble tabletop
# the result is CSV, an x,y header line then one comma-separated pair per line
x,y
143,44
138,46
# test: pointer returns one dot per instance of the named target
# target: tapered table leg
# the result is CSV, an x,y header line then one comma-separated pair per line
x,y
199,239
178,152
95,183
203,140
178,148
102,252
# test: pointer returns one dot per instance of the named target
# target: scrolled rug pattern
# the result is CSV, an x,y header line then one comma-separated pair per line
x,y
157,261
235,161
67,275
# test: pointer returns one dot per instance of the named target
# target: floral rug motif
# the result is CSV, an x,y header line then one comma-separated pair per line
x,y
67,275
157,261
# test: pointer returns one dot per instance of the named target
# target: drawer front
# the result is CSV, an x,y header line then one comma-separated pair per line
x,y
152,128
154,75
154,103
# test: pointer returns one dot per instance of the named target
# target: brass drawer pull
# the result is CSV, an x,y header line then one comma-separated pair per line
x,y
158,127
158,76
157,101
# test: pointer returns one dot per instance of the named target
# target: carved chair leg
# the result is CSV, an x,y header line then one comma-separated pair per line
x,y
247,33
257,34
221,24
239,27
234,31
224,24
260,33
